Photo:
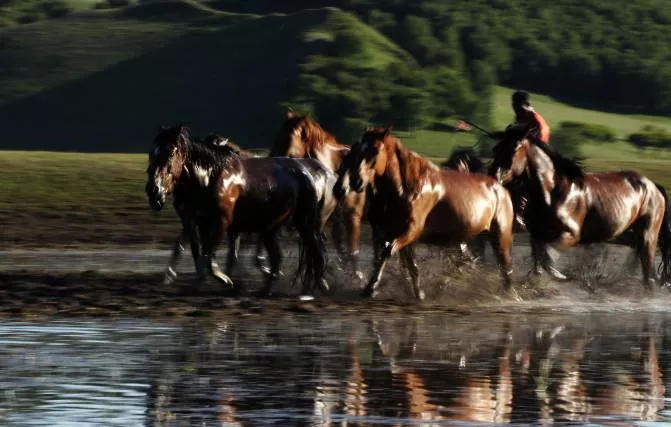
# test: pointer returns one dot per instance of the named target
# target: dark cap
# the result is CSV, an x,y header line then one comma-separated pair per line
x,y
521,97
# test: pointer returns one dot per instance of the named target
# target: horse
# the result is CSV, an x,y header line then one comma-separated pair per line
x,y
182,203
567,206
465,160
414,199
233,194
301,137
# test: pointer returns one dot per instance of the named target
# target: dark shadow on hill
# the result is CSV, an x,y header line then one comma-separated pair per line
x,y
228,81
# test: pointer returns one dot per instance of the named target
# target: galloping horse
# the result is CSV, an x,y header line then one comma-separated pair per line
x,y
414,199
228,193
183,204
302,137
567,206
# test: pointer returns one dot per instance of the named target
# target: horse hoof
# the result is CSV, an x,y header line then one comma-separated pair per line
x,y
223,278
324,285
420,296
556,274
359,275
367,293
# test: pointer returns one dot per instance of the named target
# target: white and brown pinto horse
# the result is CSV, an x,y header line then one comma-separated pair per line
x,y
415,199
567,207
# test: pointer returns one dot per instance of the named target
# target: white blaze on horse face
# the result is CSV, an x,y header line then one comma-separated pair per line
x,y
202,175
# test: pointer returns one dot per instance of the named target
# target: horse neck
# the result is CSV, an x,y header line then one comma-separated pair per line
x,y
324,147
405,169
542,173
201,164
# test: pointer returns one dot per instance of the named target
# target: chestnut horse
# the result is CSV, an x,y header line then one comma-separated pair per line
x,y
302,137
229,193
414,199
567,207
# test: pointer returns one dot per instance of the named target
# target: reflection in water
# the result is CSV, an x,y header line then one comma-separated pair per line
x,y
331,370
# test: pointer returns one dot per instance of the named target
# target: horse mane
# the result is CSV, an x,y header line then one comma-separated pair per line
x,y
467,155
564,166
313,135
412,166
202,154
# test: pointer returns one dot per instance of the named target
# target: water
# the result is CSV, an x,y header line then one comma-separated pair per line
x,y
320,370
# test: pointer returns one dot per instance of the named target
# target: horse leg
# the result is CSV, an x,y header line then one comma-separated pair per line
x,y
233,252
354,234
408,256
259,256
392,248
501,239
647,244
178,248
210,242
275,258
370,291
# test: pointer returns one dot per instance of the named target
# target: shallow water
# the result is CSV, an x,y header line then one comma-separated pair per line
x,y
608,369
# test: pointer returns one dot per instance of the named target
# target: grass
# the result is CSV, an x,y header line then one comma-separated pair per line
x,y
555,112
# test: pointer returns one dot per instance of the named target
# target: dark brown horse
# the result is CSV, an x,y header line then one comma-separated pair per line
x,y
182,203
302,137
567,207
415,199
228,193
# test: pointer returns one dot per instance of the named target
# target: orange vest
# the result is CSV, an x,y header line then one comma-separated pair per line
x,y
543,128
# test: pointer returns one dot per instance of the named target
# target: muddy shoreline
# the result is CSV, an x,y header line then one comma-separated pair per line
x,y
123,281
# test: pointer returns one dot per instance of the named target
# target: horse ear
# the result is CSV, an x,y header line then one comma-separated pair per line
x,y
387,132
290,113
161,128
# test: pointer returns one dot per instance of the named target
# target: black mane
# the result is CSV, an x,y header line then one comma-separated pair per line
x,y
197,151
468,155
564,166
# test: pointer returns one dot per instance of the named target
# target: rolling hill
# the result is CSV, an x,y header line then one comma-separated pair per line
x,y
104,80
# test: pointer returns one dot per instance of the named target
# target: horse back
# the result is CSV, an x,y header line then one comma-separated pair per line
x,y
466,207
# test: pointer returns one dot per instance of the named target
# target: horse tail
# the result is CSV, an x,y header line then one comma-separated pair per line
x,y
665,237
307,218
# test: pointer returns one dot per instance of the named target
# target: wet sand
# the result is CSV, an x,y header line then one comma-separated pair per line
x,y
129,283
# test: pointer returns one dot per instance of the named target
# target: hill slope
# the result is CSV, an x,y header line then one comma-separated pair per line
x,y
110,90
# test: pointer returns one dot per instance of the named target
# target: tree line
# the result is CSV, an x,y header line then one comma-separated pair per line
x,y
606,54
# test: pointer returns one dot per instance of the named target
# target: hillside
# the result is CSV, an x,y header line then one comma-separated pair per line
x,y
103,81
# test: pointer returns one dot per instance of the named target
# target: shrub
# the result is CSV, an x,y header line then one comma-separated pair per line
x,y
590,131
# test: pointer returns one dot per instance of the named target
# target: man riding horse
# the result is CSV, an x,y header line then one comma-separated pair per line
x,y
525,118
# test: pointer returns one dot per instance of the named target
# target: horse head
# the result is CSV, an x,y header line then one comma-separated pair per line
x,y
166,162
366,160
290,140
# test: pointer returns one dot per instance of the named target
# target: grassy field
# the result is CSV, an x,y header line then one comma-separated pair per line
x,y
61,199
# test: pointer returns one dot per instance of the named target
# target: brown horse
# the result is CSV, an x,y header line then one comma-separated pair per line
x,y
243,195
182,202
302,137
567,207
413,198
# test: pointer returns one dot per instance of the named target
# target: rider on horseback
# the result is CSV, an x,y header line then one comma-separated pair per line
x,y
527,118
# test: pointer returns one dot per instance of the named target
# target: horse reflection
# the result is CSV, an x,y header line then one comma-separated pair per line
x,y
464,396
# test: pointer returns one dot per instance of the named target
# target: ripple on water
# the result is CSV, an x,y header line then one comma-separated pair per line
x,y
585,368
